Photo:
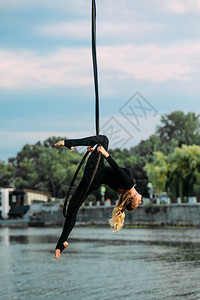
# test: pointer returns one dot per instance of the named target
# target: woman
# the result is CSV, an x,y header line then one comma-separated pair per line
x,y
119,179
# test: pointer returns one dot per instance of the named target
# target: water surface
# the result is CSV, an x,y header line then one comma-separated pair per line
x,y
136,264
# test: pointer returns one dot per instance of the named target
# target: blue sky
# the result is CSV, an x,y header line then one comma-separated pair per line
x,y
46,80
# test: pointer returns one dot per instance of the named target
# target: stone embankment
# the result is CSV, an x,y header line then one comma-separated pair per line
x,y
151,214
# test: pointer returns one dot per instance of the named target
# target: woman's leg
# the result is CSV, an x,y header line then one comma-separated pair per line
x,y
79,196
88,141
76,201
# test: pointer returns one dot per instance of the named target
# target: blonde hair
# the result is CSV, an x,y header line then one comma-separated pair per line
x,y
125,201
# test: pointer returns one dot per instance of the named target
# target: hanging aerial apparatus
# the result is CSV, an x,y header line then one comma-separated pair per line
x,y
95,71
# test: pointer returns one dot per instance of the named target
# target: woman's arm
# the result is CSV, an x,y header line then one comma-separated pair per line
x,y
113,164
88,141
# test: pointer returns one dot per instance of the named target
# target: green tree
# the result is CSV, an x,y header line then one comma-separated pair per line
x,y
157,171
47,168
41,166
184,170
7,174
177,129
178,172
26,175
146,148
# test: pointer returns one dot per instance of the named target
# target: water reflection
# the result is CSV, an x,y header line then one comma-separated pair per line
x,y
182,251
4,237
25,239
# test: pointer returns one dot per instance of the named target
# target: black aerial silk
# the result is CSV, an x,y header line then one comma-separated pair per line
x,y
95,71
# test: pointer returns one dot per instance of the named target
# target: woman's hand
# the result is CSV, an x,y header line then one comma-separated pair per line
x,y
90,149
136,196
103,151
138,199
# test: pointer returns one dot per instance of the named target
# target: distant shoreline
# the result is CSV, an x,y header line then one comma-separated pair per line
x,y
164,216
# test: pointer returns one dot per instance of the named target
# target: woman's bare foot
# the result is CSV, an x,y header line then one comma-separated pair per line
x,y
62,143
65,244
58,252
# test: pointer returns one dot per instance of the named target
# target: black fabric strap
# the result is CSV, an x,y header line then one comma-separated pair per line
x,y
95,71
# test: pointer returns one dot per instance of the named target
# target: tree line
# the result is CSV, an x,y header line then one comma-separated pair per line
x,y
169,159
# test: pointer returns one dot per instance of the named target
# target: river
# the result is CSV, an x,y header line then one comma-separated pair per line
x,y
135,264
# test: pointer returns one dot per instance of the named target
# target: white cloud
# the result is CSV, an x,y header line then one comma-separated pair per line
x,y
148,62
65,67
181,7
176,7
72,67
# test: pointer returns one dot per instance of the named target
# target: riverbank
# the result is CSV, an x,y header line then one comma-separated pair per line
x,y
146,215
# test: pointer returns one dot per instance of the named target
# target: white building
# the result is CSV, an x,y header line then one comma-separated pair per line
x,y
4,202
32,196
11,199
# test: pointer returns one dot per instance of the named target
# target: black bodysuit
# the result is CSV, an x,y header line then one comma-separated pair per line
x,y
113,176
